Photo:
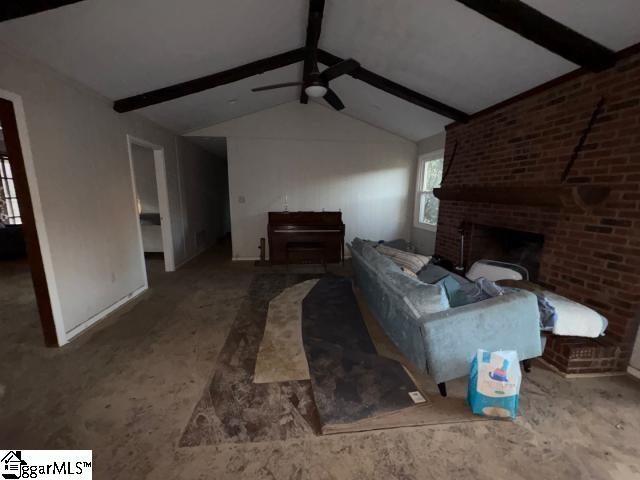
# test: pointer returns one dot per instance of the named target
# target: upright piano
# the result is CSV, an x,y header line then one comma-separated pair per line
x,y
306,237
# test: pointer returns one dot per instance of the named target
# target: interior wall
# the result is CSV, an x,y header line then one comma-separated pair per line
x,y
81,181
226,209
315,159
635,356
424,240
145,177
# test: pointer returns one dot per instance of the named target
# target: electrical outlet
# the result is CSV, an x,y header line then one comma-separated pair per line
x,y
241,199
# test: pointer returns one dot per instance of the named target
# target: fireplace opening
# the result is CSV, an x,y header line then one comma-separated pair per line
x,y
487,242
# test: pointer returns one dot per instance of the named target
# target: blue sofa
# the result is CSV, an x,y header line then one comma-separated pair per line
x,y
436,338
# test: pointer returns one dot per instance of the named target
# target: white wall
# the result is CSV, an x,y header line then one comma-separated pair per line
x,y
319,159
145,176
79,175
424,239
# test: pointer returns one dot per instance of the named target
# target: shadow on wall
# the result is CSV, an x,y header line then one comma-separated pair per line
x,y
424,240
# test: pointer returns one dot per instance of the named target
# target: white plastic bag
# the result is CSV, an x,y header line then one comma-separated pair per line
x,y
494,384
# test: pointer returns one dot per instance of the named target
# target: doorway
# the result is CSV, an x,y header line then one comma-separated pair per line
x,y
19,243
151,201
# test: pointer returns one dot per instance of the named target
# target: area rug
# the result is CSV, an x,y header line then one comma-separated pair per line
x,y
353,386
450,409
281,357
232,408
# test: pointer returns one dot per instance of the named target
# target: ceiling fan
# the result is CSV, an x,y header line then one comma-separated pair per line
x,y
317,83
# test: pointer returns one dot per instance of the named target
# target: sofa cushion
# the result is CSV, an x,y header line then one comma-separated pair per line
x,y
411,261
433,273
421,298
381,264
358,244
408,272
398,244
474,292
450,285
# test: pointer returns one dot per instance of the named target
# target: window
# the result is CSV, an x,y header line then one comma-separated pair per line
x,y
429,177
9,210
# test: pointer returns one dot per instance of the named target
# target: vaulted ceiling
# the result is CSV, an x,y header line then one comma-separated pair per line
x,y
440,48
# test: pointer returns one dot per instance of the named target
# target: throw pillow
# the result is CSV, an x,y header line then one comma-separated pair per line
x,y
410,261
409,273
450,286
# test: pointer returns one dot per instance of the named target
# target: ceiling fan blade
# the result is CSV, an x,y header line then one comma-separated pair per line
x,y
333,99
277,85
342,68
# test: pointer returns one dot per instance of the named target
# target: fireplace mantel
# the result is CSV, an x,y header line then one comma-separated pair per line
x,y
584,196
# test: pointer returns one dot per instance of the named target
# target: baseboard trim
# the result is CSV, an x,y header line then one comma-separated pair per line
x,y
77,330
634,372
253,259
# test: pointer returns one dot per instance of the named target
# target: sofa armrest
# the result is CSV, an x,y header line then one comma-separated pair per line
x,y
453,336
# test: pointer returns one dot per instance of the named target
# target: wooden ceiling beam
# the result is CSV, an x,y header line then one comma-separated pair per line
x,y
21,8
210,81
314,27
396,89
535,26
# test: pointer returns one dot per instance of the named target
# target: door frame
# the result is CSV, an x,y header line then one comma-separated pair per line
x,y
160,168
38,249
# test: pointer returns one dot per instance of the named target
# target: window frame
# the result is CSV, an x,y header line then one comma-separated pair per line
x,y
422,160
9,180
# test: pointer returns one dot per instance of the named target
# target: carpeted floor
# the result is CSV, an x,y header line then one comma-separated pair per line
x,y
127,388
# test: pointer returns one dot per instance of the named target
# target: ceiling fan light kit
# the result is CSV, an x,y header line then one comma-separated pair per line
x,y
316,83
315,91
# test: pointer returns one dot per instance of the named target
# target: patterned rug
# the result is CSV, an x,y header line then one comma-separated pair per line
x,y
234,409
354,388
352,384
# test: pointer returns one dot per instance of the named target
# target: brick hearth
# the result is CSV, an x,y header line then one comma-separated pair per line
x,y
592,256
585,355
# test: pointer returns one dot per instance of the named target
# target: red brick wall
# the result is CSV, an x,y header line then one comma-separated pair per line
x,y
592,257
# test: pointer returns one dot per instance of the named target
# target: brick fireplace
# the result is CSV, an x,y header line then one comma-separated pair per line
x,y
504,244
591,255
